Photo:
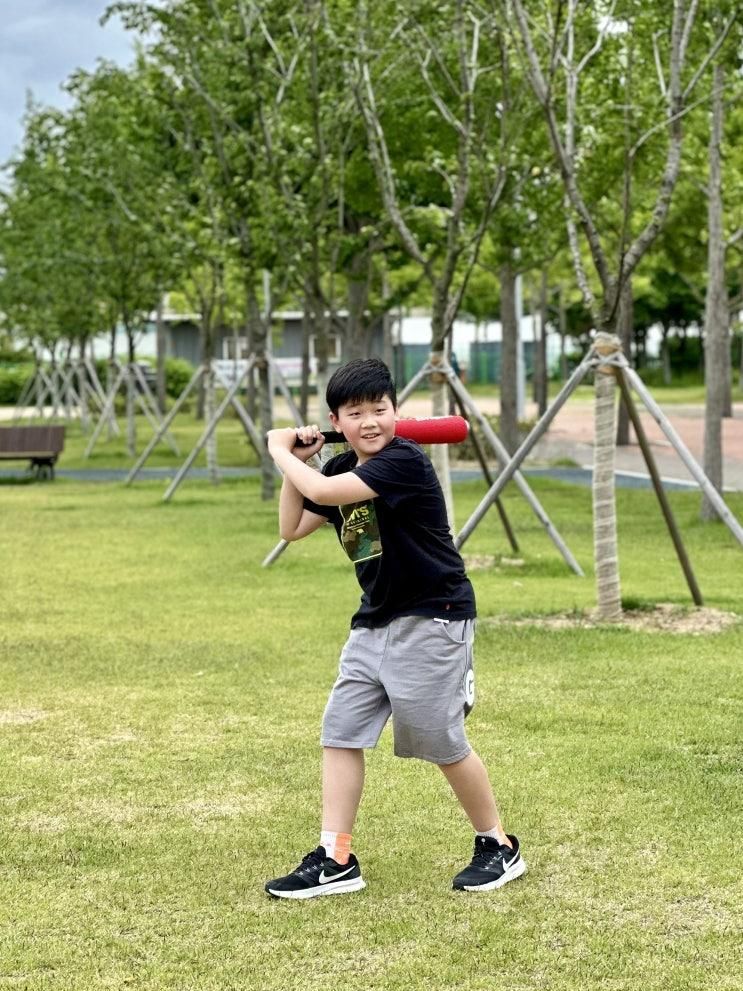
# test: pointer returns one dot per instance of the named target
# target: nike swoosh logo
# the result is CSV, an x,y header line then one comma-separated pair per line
x,y
325,878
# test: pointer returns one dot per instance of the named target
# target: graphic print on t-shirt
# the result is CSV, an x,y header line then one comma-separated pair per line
x,y
360,531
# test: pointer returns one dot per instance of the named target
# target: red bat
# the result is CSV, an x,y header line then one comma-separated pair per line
x,y
424,430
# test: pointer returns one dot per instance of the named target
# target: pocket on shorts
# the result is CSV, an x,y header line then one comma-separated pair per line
x,y
456,631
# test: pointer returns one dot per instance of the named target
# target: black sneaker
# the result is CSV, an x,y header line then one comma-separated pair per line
x,y
492,865
318,875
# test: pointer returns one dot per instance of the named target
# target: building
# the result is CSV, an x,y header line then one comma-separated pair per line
x,y
475,347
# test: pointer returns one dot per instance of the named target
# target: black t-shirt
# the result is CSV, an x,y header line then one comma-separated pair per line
x,y
405,558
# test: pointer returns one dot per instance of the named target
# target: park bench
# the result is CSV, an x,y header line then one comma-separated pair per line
x,y
41,446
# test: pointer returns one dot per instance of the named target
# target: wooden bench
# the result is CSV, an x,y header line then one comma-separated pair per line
x,y
41,446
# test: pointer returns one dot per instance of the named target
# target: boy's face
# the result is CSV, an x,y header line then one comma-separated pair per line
x,y
368,427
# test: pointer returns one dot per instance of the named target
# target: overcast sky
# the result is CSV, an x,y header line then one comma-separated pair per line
x,y
41,43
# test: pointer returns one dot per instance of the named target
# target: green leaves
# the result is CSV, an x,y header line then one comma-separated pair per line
x,y
238,140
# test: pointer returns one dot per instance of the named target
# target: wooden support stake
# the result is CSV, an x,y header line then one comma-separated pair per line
x,y
660,492
511,536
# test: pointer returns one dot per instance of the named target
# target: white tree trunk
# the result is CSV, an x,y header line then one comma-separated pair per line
x,y
604,504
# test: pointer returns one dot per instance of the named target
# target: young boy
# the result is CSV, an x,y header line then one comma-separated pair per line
x,y
409,652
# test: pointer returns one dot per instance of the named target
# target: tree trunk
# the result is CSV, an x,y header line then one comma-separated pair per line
x,y
250,393
82,384
625,324
606,559
206,403
355,339
439,396
131,404
563,325
727,379
541,375
211,444
160,345
716,344
260,324
440,452
536,357
54,398
201,390
388,354
308,323
39,386
66,383
321,321
110,378
665,355
509,425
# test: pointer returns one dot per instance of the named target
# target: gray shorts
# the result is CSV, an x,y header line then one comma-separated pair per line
x,y
416,669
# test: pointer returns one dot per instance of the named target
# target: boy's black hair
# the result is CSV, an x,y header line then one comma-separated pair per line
x,y
358,381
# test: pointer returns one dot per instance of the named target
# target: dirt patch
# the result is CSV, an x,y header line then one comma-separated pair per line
x,y
20,717
662,618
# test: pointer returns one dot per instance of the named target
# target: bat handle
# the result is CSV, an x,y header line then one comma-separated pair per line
x,y
331,437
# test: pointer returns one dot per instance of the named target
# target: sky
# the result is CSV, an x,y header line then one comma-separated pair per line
x,y
41,43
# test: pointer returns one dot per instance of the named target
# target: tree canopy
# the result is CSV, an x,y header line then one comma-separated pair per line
x,y
369,155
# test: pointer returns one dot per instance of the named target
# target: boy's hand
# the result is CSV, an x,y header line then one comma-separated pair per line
x,y
288,437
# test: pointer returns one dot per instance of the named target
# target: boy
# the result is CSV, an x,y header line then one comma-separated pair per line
x,y
409,652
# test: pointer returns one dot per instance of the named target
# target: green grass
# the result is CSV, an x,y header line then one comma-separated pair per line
x,y
160,700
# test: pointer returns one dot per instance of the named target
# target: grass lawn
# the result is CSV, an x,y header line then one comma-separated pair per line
x,y
160,701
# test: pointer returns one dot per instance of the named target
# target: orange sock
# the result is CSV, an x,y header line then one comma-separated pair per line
x,y
337,845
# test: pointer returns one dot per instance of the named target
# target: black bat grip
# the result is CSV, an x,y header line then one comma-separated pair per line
x,y
331,437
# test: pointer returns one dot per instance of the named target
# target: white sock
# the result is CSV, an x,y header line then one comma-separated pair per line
x,y
337,845
493,833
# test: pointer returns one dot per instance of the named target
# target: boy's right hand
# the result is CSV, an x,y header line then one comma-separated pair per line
x,y
302,442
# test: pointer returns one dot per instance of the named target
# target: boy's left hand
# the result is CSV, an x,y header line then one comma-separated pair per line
x,y
310,437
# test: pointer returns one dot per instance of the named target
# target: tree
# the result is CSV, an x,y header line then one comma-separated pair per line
x,y
625,44
716,312
114,163
465,175
48,290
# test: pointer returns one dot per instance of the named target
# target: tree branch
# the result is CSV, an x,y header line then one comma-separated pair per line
x,y
711,54
565,160
379,155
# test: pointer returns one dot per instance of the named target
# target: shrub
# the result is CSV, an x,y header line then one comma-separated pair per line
x,y
10,355
178,373
12,380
